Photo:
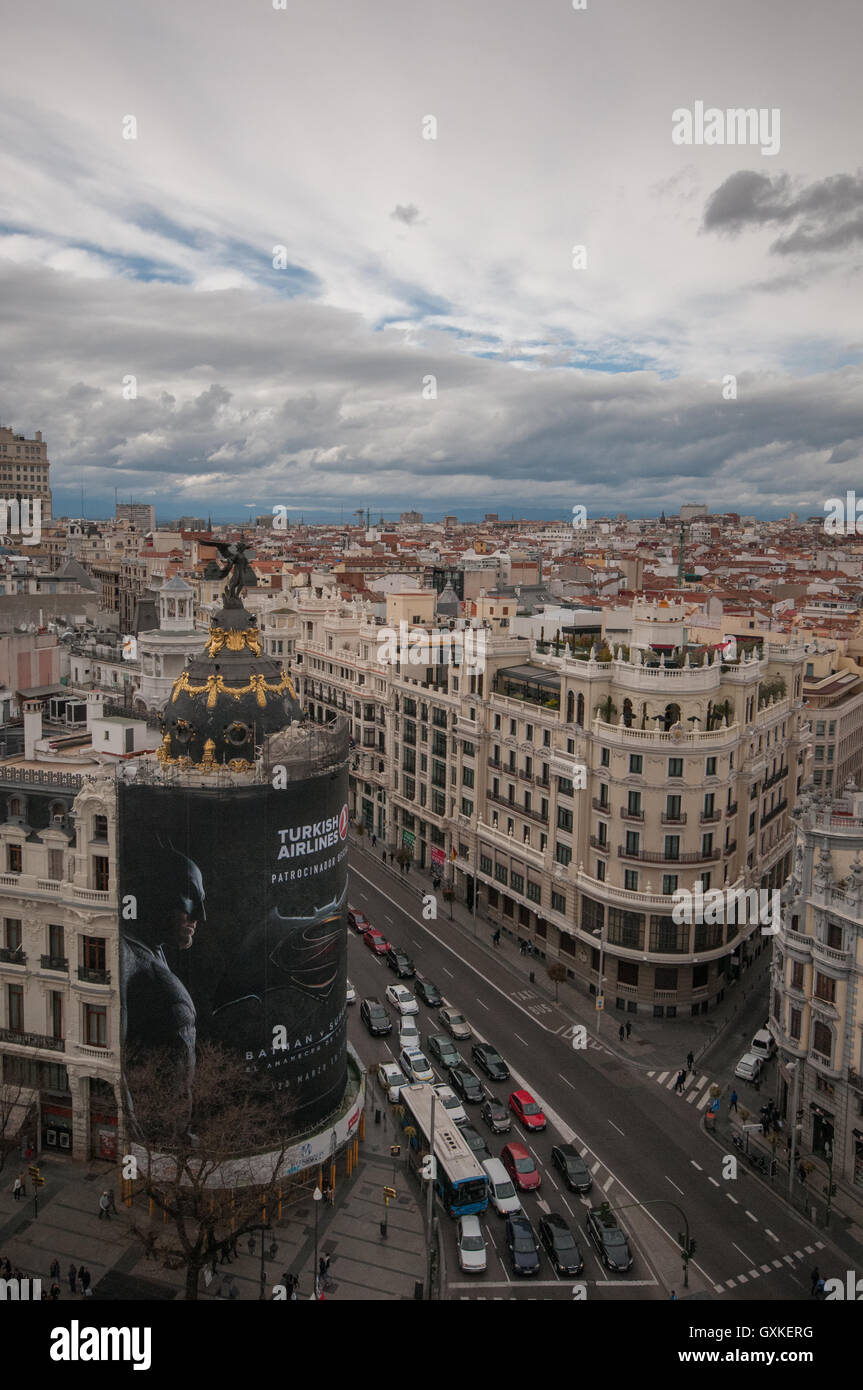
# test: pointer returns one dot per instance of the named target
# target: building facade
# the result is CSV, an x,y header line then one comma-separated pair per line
x,y
25,468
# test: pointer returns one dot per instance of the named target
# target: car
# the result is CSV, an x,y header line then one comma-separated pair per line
x,y
455,1023
609,1238
501,1191
358,920
496,1116
442,1049
414,1065
470,1244
401,999
409,1034
763,1044
525,1109
427,992
521,1244
560,1244
376,941
749,1067
466,1084
572,1168
451,1104
521,1167
376,1018
401,963
392,1078
350,994
475,1142
490,1060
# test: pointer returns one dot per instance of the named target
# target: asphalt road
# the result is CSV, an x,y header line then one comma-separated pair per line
x,y
643,1142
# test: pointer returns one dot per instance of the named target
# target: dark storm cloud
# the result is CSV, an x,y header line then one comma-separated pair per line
x,y
828,213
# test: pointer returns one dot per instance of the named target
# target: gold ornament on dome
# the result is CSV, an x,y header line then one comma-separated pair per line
x,y
208,762
163,752
248,639
240,765
214,686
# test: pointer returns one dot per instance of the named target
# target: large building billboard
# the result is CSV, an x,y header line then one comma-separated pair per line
x,y
233,931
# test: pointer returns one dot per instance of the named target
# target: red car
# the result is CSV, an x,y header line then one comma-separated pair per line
x,y
521,1167
525,1108
358,920
376,942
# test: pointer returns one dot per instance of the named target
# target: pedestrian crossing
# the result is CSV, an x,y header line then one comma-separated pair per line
x,y
696,1089
770,1267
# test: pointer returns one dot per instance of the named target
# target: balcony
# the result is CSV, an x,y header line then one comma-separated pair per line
x,y
13,955
777,777
668,742
92,895
602,845
730,847
518,810
10,1035
709,817
601,806
732,809
777,810
673,820
855,1080
93,977
631,815
650,856
830,955
53,963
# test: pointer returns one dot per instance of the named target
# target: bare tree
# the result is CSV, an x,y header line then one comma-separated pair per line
x,y
199,1178
557,974
13,1114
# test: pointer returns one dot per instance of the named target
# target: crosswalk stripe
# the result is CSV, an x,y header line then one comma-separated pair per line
x,y
741,1279
720,1288
729,1283
704,1099
819,1245
753,1274
702,1081
809,1249
661,1078
789,1259
777,1264
691,1094
765,1269
798,1254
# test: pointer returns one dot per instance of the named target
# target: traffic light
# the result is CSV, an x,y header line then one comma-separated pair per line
x,y
390,1194
692,1248
38,1180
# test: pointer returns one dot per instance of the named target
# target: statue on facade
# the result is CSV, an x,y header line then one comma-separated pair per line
x,y
238,570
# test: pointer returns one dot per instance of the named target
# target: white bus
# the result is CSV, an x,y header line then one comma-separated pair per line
x,y
460,1183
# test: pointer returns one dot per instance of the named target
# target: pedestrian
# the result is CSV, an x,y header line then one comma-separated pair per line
x,y
111,1207
814,1278
18,1189
55,1269
384,855
392,856
820,1290
55,1290
689,1061
103,1207
522,945
85,1276
733,1102
622,1032
681,1078
322,1270
251,1245
374,841
801,1172
496,937
673,1296
73,1277
628,1028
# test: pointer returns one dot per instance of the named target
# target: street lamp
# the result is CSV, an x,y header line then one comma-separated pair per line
x,y
318,1196
828,1154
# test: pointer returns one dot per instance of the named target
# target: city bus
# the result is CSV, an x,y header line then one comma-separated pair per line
x,y
461,1183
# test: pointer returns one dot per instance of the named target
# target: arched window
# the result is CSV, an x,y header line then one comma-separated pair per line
x,y
570,707
579,711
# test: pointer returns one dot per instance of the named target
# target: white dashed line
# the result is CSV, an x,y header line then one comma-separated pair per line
x,y
485,1006
520,1038
447,972
771,1235
696,1165
742,1252
713,1180
732,1199
607,1184
563,1078
751,1217
674,1185
617,1127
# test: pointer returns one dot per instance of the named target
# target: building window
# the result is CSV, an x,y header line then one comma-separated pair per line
x,y
600,871
672,847
669,884
563,854
100,827
55,864
630,880
96,1025
635,763
710,770
825,988
56,1014
12,934
13,859
675,767
822,1041
101,877
93,952
604,759
500,873
15,1000
56,944
665,977
467,776
558,901
564,818
626,928
534,892
516,882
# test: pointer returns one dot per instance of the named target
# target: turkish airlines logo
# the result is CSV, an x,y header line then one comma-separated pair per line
x,y
343,822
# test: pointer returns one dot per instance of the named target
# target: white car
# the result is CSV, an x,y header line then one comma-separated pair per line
x,y
415,1065
749,1067
392,1078
409,1034
350,994
402,999
471,1245
451,1104
501,1193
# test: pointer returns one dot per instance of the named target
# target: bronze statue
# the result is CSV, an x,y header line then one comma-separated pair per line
x,y
242,576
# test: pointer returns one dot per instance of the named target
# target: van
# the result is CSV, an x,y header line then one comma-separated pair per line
x,y
763,1044
501,1192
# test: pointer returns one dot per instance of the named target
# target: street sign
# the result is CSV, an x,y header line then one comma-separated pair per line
x,y
600,1002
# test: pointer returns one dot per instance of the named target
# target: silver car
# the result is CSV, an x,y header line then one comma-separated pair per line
x,y
471,1245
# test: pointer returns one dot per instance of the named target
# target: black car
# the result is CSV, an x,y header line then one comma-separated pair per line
x,y
443,1050
400,963
427,992
496,1116
572,1168
475,1142
609,1239
560,1244
466,1084
491,1061
375,1017
522,1246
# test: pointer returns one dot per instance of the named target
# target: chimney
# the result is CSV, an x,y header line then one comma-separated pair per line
x,y
32,726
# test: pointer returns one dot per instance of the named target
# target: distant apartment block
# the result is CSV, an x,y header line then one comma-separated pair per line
x,y
24,468
142,515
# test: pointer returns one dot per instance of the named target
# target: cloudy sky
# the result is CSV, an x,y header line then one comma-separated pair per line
x,y
424,338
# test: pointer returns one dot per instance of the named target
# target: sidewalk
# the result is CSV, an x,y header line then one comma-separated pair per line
x,y
654,1043
364,1264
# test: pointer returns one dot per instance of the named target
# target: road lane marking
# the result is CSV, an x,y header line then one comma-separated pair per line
x,y
765,1269
732,1199
713,1180
520,1038
563,1078
743,1253
617,1127
771,1235
674,1185
447,972
704,1099
607,1184
485,1006
753,1274
696,1165
751,1217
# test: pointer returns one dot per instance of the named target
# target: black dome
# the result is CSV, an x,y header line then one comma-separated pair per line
x,y
229,699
